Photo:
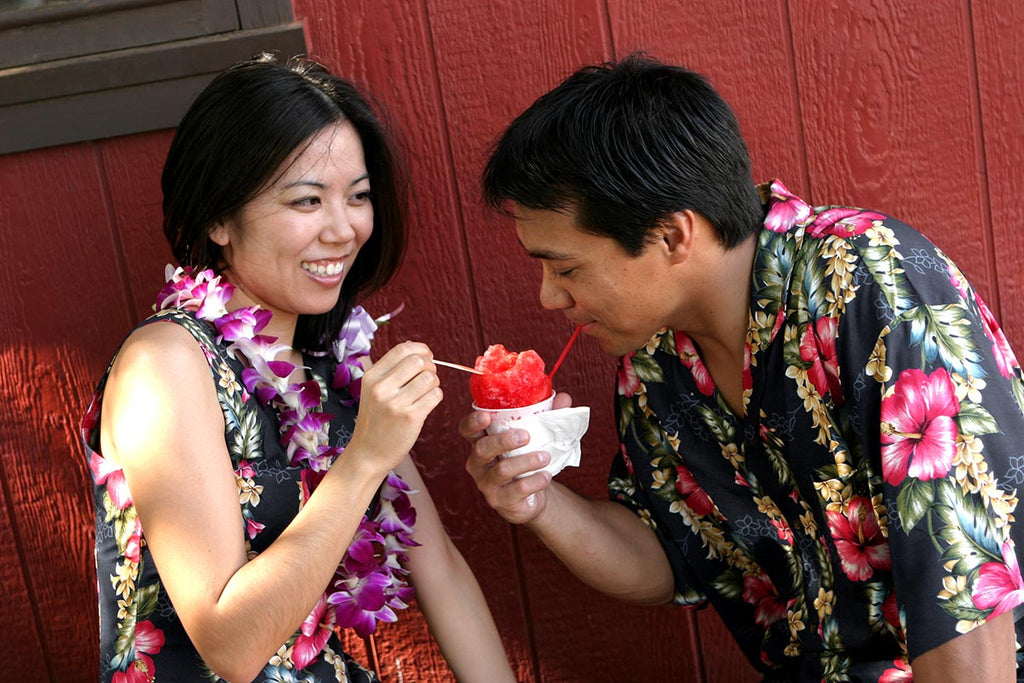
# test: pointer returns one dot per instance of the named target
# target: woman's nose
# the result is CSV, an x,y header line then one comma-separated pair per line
x,y
337,226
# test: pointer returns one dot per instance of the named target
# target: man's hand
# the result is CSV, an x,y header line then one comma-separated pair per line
x,y
517,500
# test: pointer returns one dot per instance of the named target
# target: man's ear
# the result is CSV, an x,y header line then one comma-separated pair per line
x,y
678,232
220,235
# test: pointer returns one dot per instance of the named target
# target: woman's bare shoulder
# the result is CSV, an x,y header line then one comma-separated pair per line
x,y
160,383
162,348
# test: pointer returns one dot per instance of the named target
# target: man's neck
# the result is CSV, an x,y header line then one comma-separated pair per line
x,y
720,311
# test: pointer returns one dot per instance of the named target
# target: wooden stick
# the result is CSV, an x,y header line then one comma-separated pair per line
x,y
456,366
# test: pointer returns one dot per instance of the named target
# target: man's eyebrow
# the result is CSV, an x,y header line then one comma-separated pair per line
x,y
549,255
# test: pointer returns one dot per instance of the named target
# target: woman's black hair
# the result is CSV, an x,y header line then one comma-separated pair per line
x,y
624,146
230,146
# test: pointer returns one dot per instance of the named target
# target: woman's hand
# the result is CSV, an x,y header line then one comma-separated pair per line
x,y
398,392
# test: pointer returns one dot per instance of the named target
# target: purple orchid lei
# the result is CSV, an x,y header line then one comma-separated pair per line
x,y
370,582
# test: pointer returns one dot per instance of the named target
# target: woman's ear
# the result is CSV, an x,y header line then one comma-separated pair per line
x,y
220,235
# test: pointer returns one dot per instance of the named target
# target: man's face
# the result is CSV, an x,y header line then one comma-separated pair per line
x,y
620,300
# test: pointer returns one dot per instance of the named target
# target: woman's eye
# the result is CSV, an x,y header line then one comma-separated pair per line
x,y
361,197
306,202
564,273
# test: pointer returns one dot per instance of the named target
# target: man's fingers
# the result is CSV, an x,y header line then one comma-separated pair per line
x,y
473,426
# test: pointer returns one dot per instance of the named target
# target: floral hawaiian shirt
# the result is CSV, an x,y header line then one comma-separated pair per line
x,y
862,511
141,636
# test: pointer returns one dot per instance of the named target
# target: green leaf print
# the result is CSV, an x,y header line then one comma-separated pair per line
x,y
961,606
1018,392
667,343
791,352
660,456
967,527
973,419
667,490
627,408
145,600
729,584
883,264
124,645
248,440
647,369
720,426
815,283
945,334
914,500
875,594
771,278
124,527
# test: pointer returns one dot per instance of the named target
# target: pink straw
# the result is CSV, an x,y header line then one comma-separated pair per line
x,y
565,351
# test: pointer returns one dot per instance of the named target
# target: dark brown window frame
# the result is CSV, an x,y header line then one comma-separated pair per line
x,y
93,69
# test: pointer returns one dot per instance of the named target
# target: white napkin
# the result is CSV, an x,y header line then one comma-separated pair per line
x,y
556,431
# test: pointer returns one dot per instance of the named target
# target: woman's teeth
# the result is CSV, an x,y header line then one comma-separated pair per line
x,y
327,269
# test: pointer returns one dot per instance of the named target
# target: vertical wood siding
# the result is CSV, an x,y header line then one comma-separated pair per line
x,y
914,107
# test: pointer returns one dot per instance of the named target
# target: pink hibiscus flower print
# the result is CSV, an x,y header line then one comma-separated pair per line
x,y
314,633
1004,356
748,377
759,591
628,381
818,347
695,496
689,357
999,586
785,209
843,221
133,549
149,640
783,531
862,548
139,671
110,474
899,673
891,612
918,427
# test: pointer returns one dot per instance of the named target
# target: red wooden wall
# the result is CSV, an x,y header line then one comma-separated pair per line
x,y
915,107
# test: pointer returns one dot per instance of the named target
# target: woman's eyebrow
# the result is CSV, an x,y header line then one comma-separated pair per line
x,y
311,183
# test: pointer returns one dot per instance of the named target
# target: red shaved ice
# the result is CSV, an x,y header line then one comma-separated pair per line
x,y
510,379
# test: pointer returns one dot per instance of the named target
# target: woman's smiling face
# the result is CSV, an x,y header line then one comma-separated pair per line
x,y
289,248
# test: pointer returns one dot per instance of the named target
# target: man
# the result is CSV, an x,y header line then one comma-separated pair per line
x,y
819,437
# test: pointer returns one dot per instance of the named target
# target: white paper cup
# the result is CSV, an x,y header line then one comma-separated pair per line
x,y
556,431
503,419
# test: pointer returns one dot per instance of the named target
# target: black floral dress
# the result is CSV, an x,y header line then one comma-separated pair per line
x,y
861,512
141,637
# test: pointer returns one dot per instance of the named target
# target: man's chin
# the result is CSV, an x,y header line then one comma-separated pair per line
x,y
619,346
616,347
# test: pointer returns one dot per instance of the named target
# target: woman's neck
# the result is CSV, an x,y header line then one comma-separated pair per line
x,y
282,324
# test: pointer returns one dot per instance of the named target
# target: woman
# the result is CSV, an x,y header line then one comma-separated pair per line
x,y
243,512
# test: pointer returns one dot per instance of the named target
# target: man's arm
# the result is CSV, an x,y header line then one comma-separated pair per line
x,y
604,544
985,654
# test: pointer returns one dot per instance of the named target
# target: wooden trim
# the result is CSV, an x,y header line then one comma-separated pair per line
x,y
257,13
116,30
129,91
63,11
